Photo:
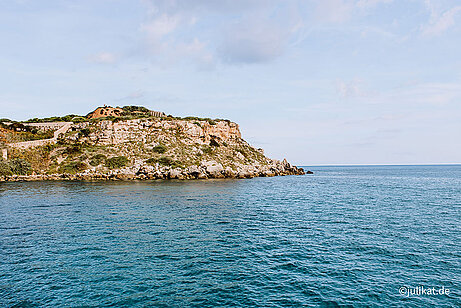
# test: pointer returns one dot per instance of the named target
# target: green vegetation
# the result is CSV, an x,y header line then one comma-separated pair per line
x,y
196,119
16,166
133,109
85,132
117,162
5,168
160,149
207,150
73,167
20,166
165,161
17,132
97,159
214,143
66,118
73,149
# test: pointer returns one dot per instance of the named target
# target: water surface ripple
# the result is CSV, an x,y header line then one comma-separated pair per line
x,y
346,236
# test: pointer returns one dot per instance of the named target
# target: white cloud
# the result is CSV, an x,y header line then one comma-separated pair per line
x,y
103,58
253,41
334,11
157,28
350,89
239,31
439,22
368,4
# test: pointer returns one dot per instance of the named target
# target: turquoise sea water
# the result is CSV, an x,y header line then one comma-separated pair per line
x,y
345,236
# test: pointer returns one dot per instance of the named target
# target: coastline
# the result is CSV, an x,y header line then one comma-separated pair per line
x,y
204,172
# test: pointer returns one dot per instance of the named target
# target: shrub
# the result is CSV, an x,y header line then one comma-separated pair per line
x,y
214,143
97,159
207,150
211,122
73,149
116,162
85,132
159,149
73,167
130,109
165,160
151,161
5,168
20,166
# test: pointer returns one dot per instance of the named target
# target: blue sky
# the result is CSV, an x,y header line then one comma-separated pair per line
x,y
317,82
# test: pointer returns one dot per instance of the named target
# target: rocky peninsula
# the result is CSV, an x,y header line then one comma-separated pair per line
x,y
131,143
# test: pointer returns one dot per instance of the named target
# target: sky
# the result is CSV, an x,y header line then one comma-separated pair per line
x,y
316,82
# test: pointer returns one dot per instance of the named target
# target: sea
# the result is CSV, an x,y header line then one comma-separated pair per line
x,y
346,236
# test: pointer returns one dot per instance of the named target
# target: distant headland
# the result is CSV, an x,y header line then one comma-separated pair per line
x,y
130,143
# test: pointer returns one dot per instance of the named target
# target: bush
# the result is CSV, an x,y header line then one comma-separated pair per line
x,y
151,161
67,118
214,143
73,167
207,150
159,149
73,149
116,162
165,160
5,168
130,109
97,159
20,166
85,132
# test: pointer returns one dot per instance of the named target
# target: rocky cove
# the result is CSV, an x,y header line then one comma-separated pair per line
x,y
141,148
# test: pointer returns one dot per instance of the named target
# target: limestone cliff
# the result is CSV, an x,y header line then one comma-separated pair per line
x,y
149,148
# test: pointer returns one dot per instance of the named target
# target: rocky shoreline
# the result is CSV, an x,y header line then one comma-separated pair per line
x,y
207,170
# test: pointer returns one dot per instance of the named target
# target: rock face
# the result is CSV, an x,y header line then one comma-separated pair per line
x,y
150,148
110,133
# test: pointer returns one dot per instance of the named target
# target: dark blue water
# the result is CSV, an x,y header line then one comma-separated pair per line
x,y
344,236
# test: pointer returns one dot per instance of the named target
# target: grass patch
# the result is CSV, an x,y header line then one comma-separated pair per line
x,y
207,150
117,162
97,159
73,167
160,149
5,168
165,161
73,150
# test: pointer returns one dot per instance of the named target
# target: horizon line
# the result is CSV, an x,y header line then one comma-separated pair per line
x,y
384,164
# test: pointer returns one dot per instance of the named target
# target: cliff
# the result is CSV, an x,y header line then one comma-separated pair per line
x,y
143,148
